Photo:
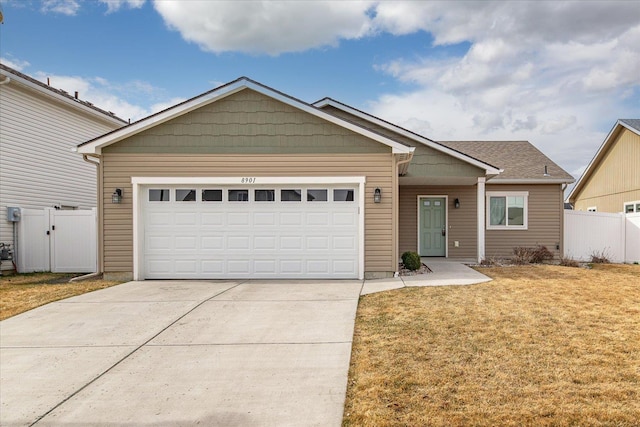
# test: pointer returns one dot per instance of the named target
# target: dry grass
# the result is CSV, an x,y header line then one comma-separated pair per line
x,y
538,346
24,292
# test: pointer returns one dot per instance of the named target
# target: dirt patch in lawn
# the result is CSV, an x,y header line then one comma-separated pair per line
x,y
23,292
539,345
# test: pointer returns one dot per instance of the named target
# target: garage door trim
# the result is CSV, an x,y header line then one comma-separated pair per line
x,y
138,182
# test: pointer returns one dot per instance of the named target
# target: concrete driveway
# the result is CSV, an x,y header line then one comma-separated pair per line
x,y
226,353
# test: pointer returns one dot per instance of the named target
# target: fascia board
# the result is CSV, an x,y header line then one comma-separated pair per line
x,y
596,159
61,98
498,181
95,146
490,170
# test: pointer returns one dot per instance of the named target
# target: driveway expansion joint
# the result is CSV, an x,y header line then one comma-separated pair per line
x,y
128,355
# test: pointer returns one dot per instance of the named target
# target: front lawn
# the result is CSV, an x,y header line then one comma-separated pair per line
x,y
538,346
22,292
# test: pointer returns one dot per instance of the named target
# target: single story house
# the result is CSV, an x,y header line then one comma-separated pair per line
x,y
245,181
611,182
38,126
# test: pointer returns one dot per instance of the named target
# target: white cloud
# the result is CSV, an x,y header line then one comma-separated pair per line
x,y
271,27
554,73
115,5
65,7
16,64
111,96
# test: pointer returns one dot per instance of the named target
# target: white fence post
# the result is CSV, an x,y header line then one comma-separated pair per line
x,y
632,249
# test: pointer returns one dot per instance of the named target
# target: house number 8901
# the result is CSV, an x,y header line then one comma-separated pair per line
x,y
247,180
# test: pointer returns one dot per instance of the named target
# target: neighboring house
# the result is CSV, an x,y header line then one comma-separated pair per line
x,y
245,181
39,127
611,182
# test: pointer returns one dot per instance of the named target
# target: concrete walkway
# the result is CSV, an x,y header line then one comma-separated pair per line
x,y
443,273
223,353
214,353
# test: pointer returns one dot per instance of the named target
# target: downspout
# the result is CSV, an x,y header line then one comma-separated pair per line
x,y
99,203
396,209
561,245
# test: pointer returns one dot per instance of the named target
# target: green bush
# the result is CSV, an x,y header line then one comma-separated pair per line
x,y
411,260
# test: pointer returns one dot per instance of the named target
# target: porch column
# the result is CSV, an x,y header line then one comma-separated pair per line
x,y
481,217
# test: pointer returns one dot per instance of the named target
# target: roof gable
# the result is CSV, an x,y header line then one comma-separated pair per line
x,y
632,125
95,146
489,168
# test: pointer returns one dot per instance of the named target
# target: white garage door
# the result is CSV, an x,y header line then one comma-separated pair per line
x,y
292,231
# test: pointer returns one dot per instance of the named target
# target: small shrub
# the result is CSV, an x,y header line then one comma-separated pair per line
x,y
540,253
521,255
411,260
568,262
600,257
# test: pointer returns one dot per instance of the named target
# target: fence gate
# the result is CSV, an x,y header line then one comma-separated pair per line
x,y
60,241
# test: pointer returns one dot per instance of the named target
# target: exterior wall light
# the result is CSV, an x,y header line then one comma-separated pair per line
x,y
116,197
377,195
456,203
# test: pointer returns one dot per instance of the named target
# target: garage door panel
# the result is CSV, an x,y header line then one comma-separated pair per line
x,y
219,239
186,218
239,267
238,219
317,218
344,266
183,243
238,243
154,243
215,219
344,243
212,243
291,243
262,219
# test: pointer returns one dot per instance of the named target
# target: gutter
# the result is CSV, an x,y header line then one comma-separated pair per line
x,y
407,160
96,162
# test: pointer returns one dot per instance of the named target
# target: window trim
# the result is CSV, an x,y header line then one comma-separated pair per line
x,y
634,204
506,195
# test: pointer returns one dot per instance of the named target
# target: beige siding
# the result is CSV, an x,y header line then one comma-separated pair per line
x,y
377,168
545,216
37,167
462,221
616,179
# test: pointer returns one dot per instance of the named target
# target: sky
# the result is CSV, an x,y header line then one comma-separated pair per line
x,y
556,73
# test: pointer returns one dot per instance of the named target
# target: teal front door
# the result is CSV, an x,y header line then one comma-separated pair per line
x,y
433,226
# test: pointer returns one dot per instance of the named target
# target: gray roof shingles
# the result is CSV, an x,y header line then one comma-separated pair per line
x,y
634,123
519,159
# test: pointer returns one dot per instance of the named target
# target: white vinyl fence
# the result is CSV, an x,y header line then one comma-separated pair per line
x,y
60,241
615,235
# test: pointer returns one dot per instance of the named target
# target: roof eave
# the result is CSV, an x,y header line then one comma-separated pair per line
x,y
532,181
76,104
596,159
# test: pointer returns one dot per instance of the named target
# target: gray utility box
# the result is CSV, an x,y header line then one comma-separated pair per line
x,y
13,214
